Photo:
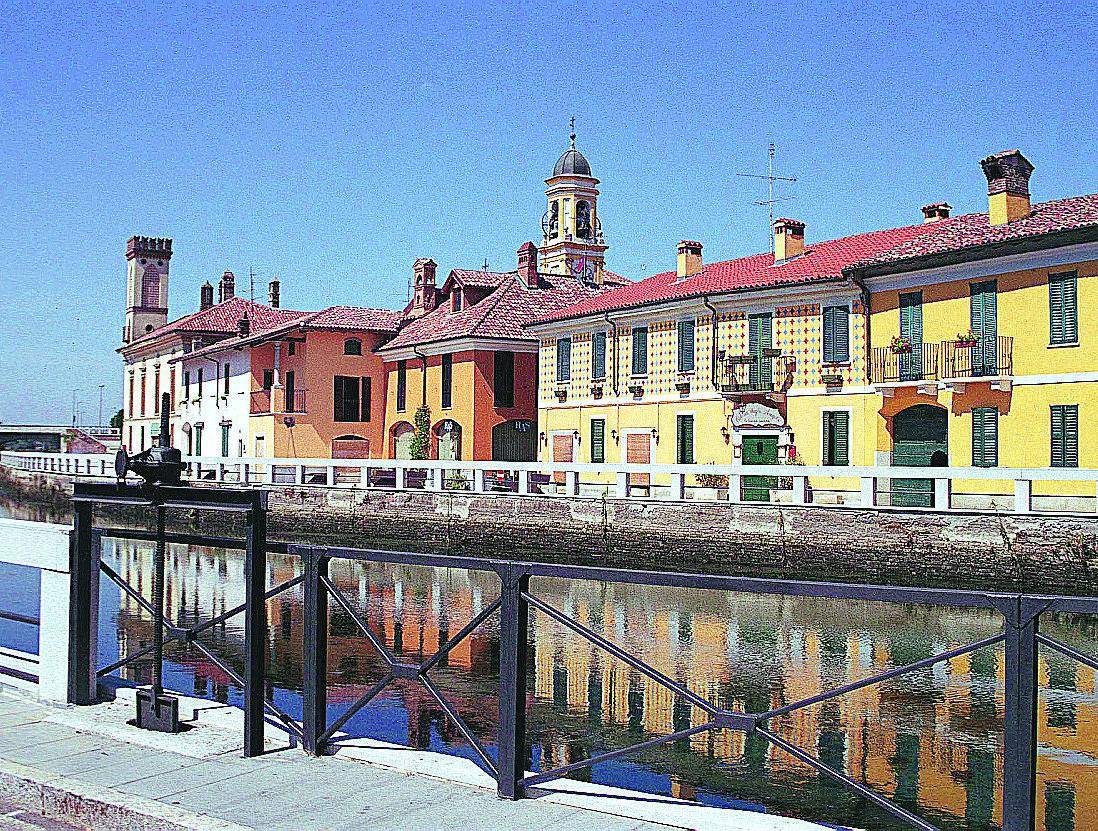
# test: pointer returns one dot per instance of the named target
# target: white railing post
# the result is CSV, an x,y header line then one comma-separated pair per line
x,y
364,476
401,474
299,474
435,475
1023,496
524,481
735,488
622,489
869,491
943,494
330,475
478,480
572,483
678,487
800,490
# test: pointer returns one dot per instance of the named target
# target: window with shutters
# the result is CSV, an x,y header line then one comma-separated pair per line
x,y
268,379
346,398
1065,435
503,379
226,387
598,355
686,345
447,381
352,346
187,384
598,440
1063,308
836,437
985,437
564,359
984,319
836,334
640,351
684,439
402,386
224,440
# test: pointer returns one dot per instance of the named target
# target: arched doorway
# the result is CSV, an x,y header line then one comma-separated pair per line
x,y
448,440
515,441
403,433
920,438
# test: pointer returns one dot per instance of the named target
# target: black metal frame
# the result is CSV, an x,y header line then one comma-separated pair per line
x,y
1020,636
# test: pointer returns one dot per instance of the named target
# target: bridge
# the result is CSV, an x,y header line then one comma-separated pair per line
x,y
56,438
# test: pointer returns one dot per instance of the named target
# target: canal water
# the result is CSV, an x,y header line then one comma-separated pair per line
x,y
930,740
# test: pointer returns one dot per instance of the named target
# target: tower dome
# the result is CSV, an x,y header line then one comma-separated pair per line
x,y
572,162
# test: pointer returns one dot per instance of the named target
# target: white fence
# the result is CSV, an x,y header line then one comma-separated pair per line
x,y
1011,490
43,547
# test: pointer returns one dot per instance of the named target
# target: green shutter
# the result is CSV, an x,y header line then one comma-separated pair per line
x,y
1065,435
224,440
686,345
564,359
985,326
836,334
598,440
598,355
684,440
1063,307
367,398
759,338
640,350
985,437
836,450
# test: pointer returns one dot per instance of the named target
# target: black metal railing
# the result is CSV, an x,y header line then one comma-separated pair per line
x,y
920,363
262,401
1020,637
768,372
978,359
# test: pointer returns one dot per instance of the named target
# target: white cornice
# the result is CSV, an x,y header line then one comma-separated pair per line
x,y
448,347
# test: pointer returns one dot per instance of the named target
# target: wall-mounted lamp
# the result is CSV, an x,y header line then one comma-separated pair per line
x,y
576,436
614,435
655,435
725,434
541,437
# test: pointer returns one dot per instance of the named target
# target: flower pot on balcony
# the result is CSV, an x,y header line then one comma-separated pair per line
x,y
562,394
596,391
636,390
683,387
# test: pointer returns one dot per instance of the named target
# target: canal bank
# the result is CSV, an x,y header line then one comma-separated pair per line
x,y
991,551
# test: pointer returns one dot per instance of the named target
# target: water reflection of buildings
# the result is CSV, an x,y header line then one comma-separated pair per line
x,y
931,740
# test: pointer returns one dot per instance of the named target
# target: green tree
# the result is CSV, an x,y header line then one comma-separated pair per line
x,y
116,420
421,440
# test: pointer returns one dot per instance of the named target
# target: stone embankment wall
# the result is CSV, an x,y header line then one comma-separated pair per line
x,y
1044,554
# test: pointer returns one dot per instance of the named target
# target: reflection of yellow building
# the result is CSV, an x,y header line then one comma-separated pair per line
x,y
958,341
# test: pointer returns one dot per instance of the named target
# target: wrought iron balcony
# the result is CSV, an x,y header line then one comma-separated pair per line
x,y
770,373
267,401
918,364
993,358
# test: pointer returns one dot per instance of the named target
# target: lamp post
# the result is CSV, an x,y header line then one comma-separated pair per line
x,y
101,386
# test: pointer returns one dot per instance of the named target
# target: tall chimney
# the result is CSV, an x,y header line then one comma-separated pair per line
x,y
228,286
690,259
528,265
274,293
425,297
1007,175
206,296
243,326
935,212
788,239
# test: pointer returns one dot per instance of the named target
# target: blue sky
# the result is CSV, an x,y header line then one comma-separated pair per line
x,y
332,144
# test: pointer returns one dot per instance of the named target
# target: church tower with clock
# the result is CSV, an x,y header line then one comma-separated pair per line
x,y
572,240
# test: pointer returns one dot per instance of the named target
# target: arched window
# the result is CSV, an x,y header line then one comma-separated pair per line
x,y
583,219
150,287
352,346
554,220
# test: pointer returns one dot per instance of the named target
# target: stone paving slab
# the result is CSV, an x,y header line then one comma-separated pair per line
x,y
73,758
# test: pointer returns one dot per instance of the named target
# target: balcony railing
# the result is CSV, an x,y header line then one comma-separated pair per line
x,y
267,401
944,361
920,364
993,357
771,372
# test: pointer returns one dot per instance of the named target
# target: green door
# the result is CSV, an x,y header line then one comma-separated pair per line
x,y
911,327
919,439
985,357
759,339
759,450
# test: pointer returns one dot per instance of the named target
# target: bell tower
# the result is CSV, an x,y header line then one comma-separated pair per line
x,y
572,240
147,260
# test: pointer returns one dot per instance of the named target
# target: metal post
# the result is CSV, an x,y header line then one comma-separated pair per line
x,y
514,629
158,612
84,550
314,708
1020,721
255,624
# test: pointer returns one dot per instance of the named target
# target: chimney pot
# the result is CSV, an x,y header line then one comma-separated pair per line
x,y
206,296
788,239
244,326
227,286
689,259
1007,173
528,265
935,212
274,293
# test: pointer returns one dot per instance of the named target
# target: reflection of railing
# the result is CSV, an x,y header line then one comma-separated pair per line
x,y
981,359
768,372
292,401
261,401
1019,635
918,364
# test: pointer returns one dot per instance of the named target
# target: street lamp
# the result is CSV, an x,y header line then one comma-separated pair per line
x,y
101,386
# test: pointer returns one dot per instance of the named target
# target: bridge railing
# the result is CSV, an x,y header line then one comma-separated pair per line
x,y
41,667
962,489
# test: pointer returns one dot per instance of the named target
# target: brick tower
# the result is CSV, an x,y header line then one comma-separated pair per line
x,y
147,260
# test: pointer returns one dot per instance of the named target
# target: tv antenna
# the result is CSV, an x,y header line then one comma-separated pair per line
x,y
770,178
251,283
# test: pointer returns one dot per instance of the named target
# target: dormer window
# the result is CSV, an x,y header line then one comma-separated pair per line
x,y
457,300
352,346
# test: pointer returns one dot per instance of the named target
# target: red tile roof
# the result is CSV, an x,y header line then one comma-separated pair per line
x,y
222,319
502,314
972,231
821,261
355,317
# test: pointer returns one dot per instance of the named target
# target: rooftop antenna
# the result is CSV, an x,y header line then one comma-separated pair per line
x,y
485,264
251,283
572,132
770,178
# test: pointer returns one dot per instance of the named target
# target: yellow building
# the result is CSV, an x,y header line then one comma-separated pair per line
x,y
800,365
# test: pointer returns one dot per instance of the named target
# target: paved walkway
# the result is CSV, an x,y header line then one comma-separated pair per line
x,y
84,767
